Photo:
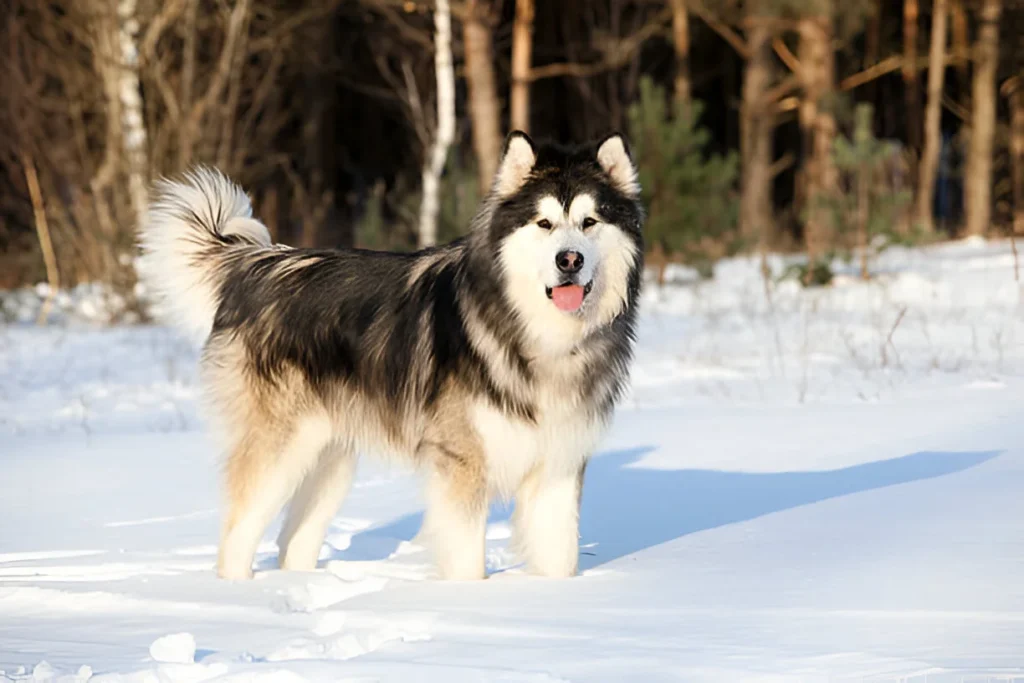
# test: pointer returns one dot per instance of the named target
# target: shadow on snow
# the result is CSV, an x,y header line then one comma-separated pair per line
x,y
627,508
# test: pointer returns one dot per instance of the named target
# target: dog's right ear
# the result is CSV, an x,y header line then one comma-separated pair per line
x,y
516,163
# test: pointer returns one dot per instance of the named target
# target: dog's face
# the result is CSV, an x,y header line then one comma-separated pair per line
x,y
567,234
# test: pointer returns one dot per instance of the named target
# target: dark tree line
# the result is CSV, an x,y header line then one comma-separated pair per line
x,y
344,123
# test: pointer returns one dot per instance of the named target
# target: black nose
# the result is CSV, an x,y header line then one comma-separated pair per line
x,y
569,262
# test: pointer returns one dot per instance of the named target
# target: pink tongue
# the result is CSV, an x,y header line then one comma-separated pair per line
x,y
567,297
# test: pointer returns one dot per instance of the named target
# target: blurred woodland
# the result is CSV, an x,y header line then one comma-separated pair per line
x,y
804,125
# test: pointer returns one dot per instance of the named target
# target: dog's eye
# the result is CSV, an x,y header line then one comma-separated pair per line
x,y
544,223
588,222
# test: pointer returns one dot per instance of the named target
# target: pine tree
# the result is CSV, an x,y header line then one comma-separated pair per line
x,y
869,209
690,195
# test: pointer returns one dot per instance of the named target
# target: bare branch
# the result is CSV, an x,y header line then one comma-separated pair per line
x,y
170,12
772,95
618,54
234,91
42,232
188,75
886,66
220,74
1011,85
956,109
782,164
259,98
415,104
787,56
294,21
723,30
417,36
170,100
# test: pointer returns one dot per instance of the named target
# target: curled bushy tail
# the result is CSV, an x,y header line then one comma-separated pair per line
x,y
192,229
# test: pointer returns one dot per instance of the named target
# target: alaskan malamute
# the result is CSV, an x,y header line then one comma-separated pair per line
x,y
493,362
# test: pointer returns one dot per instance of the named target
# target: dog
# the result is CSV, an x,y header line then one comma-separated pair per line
x,y
492,363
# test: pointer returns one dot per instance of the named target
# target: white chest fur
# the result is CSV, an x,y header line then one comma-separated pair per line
x,y
562,436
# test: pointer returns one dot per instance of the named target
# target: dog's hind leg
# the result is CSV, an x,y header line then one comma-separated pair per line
x,y
546,520
314,505
262,473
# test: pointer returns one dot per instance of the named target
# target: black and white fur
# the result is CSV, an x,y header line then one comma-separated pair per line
x,y
454,358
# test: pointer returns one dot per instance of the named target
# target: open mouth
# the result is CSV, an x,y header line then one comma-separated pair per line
x,y
569,296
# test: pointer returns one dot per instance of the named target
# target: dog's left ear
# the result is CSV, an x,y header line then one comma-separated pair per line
x,y
613,156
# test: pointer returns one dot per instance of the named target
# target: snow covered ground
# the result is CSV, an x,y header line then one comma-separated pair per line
x,y
827,487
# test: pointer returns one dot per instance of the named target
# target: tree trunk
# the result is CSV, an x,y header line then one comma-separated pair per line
x,y
134,139
961,42
911,90
192,133
863,214
1014,89
106,57
522,58
228,109
188,74
115,57
681,41
862,134
445,133
316,133
756,138
269,210
35,194
978,173
872,44
484,108
932,132
819,129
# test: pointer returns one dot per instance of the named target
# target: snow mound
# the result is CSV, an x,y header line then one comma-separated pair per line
x,y
177,648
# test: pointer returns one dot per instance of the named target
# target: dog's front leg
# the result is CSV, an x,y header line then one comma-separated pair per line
x,y
546,519
456,516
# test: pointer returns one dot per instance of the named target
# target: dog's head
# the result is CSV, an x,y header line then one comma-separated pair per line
x,y
566,231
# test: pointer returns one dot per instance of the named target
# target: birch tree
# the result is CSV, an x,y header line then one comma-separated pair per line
x,y
134,138
116,34
444,133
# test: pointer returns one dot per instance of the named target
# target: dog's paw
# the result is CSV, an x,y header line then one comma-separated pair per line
x,y
232,573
